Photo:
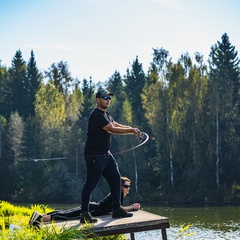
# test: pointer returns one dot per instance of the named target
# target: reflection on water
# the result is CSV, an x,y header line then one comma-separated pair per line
x,y
206,222
199,234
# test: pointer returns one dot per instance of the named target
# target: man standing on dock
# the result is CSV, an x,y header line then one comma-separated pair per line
x,y
99,160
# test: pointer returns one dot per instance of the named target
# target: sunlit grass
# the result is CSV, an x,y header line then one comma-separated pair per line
x,y
14,225
184,232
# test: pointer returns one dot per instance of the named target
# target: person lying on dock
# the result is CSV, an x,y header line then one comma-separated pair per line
x,y
102,207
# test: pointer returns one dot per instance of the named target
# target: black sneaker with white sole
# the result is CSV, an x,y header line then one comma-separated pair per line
x,y
35,219
121,213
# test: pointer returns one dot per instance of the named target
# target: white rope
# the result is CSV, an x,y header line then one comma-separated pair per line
x,y
139,145
127,150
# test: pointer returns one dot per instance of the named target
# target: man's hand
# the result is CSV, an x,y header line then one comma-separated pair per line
x,y
136,206
136,131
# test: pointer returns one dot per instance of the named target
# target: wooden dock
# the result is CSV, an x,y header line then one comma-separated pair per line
x,y
139,222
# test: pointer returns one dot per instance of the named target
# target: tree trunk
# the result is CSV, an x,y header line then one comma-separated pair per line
x,y
135,170
171,168
217,150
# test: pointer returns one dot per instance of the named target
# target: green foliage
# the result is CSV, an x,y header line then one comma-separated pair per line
x,y
34,78
88,95
51,115
5,102
15,135
19,85
135,81
236,192
3,123
60,76
115,84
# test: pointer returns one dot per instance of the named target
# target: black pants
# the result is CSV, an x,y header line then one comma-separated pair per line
x,y
98,166
74,213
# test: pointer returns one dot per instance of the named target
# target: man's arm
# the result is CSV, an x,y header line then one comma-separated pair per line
x,y
133,207
115,124
116,128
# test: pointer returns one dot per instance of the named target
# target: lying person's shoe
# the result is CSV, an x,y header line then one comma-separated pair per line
x,y
121,213
86,217
35,219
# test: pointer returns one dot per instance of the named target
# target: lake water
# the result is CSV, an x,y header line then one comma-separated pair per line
x,y
206,222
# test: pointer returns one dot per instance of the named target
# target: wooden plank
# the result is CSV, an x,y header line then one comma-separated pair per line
x,y
140,221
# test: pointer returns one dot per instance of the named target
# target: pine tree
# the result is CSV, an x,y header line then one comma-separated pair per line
x,y
224,80
3,124
34,79
19,86
61,77
115,85
4,92
135,81
88,92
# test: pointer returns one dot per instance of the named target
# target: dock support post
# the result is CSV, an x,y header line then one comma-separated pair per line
x,y
164,234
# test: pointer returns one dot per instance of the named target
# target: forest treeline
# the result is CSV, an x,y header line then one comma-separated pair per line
x,y
189,108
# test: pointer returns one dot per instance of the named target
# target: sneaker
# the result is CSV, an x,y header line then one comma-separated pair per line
x,y
121,213
35,219
87,217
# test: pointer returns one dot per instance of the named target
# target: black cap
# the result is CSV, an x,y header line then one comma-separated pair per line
x,y
103,92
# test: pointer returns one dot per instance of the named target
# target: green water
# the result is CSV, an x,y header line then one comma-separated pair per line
x,y
206,216
207,222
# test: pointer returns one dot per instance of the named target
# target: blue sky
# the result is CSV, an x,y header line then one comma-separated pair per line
x,y
97,37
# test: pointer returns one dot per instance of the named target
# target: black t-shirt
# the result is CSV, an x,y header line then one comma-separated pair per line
x,y
98,140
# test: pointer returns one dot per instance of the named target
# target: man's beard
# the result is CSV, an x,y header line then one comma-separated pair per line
x,y
104,107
